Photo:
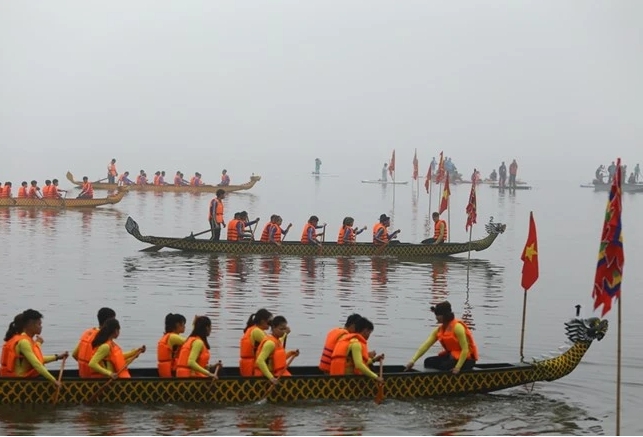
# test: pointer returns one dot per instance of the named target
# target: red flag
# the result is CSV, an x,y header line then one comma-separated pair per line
x,y
427,182
471,209
444,203
439,175
391,166
609,269
415,165
530,256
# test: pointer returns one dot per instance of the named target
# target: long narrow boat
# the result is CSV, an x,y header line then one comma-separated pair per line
x,y
65,203
517,187
191,244
307,383
626,188
373,181
171,188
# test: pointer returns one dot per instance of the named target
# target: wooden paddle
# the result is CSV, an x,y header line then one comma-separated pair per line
x,y
99,181
157,248
216,370
272,386
323,240
60,377
380,388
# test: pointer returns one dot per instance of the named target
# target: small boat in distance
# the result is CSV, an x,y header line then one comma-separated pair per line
x,y
518,187
46,202
381,182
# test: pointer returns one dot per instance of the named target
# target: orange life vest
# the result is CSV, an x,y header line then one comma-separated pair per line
x,y
216,205
117,359
331,341
53,192
111,169
265,234
177,180
436,230
166,356
182,368
45,190
5,191
378,226
233,234
247,352
304,234
141,180
22,192
88,189
341,363
156,179
86,352
450,342
33,192
277,361
342,232
8,364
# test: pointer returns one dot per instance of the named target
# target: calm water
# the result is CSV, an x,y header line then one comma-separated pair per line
x,y
68,264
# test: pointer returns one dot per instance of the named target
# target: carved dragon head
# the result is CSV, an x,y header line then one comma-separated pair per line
x,y
494,228
586,330
255,178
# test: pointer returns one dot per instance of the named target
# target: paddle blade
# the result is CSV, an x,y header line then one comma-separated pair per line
x,y
151,249
380,394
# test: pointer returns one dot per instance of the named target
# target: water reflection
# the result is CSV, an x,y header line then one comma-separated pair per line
x,y
379,272
236,270
261,422
96,421
439,291
171,422
215,275
270,268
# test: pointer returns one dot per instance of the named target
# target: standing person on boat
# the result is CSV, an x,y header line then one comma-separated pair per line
x,y
318,164
10,340
87,192
167,349
84,351
225,179
253,335
333,336
195,181
637,173
380,231
24,357
111,171
5,192
599,174
611,171
502,172
108,359
350,355
195,352
348,234
23,191
309,234
384,177
34,190
513,171
271,355
459,349
215,215
440,233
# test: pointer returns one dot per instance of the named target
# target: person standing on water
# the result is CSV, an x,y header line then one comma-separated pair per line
x,y
318,164
384,178
502,172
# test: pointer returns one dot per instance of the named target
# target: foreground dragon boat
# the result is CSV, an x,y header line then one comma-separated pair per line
x,y
191,244
65,203
171,188
145,387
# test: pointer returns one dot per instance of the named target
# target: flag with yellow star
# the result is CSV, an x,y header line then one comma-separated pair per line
x,y
530,256
609,269
444,203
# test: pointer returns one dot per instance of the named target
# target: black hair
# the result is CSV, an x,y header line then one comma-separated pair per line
x,y
15,327
171,320
220,192
435,214
313,218
201,325
259,316
352,319
105,314
363,324
348,221
107,330
29,315
279,320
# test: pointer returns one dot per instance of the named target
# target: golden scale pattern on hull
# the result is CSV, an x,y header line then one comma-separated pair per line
x,y
65,203
192,244
232,389
171,188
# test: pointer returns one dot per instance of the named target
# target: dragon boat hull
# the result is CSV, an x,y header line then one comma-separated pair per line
x,y
190,244
171,188
626,188
307,383
65,203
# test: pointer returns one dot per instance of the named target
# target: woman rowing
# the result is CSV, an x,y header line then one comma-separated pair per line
x,y
167,352
271,355
108,359
253,335
348,234
195,352
350,355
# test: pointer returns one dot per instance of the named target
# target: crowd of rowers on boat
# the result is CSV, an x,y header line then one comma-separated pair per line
x,y
261,354
33,191
159,178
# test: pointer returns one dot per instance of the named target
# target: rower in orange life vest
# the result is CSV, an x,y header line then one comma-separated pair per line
x,y
124,179
167,352
309,234
253,335
272,232
439,230
34,191
460,351
108,359
162,178
348,234
194,355
45,189
157,176
54,191
350,356
245,231
22,356
272,357
111,171
23,191
141,179
195,181
225,179
178,179
380,231
215,215
333,336
87,192
84,351
233,227
5,192
13,332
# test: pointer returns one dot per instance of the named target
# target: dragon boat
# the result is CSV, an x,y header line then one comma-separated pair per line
x,y
306,383
171,188
65,203
192,244
625,187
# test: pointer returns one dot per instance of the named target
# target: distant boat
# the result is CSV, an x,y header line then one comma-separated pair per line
x,y
377,181
326,175
626,188
518,187
587,185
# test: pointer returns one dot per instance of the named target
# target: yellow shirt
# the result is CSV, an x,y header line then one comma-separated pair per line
x,y
195,351
267,350
355,351
102,352
460,334
175,340
23,366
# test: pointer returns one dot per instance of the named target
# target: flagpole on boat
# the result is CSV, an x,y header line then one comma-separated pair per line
x,y
530,274
449,218
618,370
522,330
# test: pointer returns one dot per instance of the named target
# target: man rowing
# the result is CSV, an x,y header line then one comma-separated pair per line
x,y
309,234
272,232
380,231
439,230
34,190
350,355
246,230
141,179
124,179
195,181
348,234
54,192
225,178
5,192
87,191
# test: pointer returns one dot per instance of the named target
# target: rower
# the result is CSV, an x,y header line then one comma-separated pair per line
x,y
348,234
380,231
124,179
631,179
111,171
87,192
156,180
235,228
83,351
141,179
108,359
162,178
225,178
5,192
272,232
493,176
167,351
309,234
253,335
266,229
333,336
439,230
178,179
195,352
24,358
195,181
350,356
215,215
46,188
23,191
54,190
272,357
34,190
10,340
460,350
245,224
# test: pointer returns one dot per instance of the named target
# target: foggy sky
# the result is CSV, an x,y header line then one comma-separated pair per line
x,y
266,87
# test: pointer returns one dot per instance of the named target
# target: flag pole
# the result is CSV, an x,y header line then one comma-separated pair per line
x,y
618,368
430,189
469,256
522,332
449,218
